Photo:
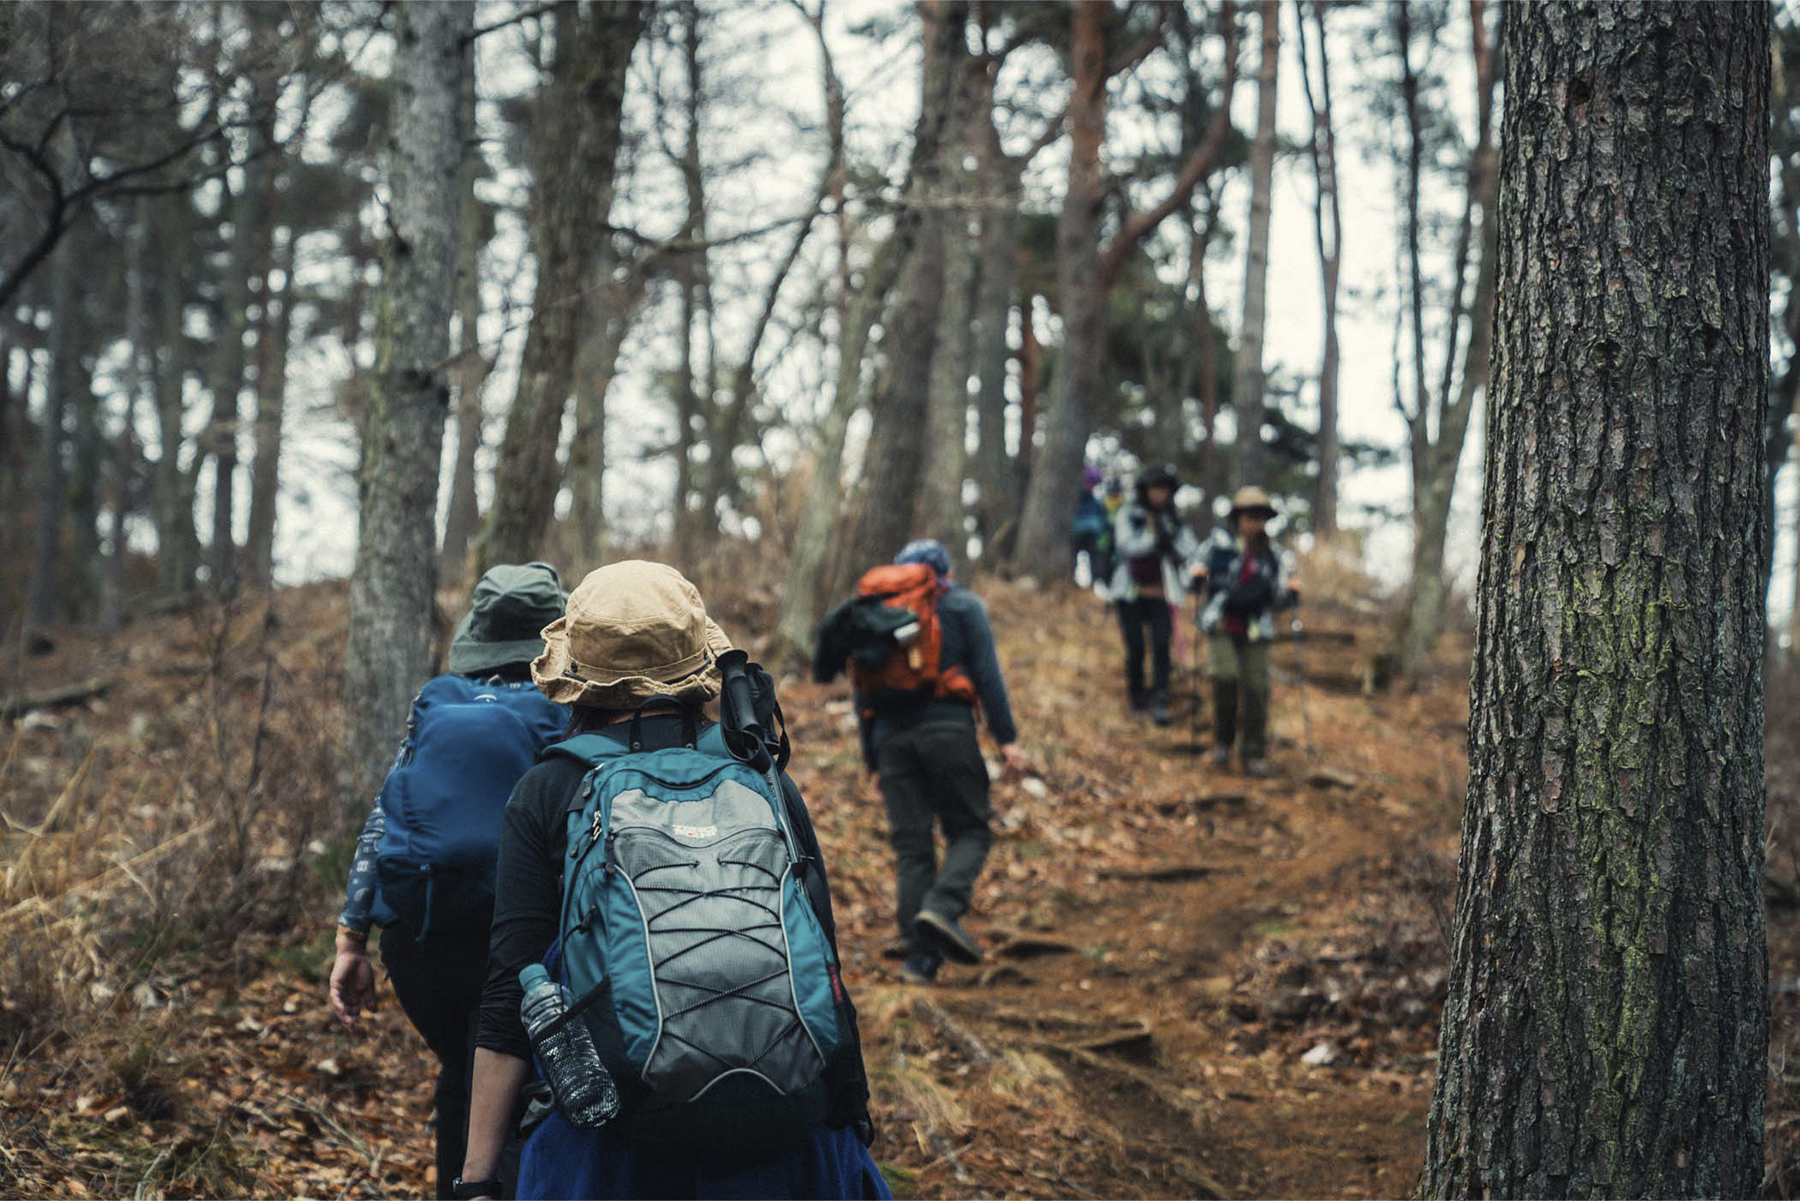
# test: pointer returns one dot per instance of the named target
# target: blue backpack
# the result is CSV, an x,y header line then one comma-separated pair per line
x,y
444,800
690,942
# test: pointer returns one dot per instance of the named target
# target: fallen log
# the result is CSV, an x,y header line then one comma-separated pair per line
x,y
1161,873
53,698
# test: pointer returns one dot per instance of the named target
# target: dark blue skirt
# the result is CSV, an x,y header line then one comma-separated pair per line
x,y
561,1162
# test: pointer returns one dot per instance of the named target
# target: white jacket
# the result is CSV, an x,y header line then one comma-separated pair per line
x,y
1134,537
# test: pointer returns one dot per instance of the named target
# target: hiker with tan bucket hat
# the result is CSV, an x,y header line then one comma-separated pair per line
x,y
663,943
1246,581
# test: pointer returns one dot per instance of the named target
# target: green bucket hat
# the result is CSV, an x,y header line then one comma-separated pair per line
x,y
510,607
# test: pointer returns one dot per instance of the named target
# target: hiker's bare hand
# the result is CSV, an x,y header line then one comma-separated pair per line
x,y
1012,761
875,782
1198,571
352,983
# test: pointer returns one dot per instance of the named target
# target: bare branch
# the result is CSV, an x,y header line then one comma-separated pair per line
x,y
1205,159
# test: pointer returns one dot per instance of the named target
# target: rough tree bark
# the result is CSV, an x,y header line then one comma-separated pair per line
x,y
940,505
1606,1027
1328,236
895,465
809,563
392,588
576,135
1085,274
1247,371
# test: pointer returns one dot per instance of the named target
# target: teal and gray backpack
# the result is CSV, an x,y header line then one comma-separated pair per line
x,y
689,942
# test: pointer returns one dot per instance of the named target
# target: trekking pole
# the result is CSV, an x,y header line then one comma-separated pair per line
x,y
1300,672
1194,661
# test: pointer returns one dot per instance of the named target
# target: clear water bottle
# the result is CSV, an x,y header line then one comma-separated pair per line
x,y
584,1088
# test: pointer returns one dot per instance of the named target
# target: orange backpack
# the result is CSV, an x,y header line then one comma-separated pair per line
x,y
913,669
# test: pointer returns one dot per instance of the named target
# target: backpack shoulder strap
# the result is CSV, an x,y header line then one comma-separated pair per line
x,y
591,749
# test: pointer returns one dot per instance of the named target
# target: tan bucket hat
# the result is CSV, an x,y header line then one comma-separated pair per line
x,y
633,631
1251,499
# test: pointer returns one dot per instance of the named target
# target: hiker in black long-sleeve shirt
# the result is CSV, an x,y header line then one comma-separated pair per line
x,y
928,765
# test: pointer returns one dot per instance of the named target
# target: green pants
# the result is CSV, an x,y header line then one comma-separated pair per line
x,y
1241,668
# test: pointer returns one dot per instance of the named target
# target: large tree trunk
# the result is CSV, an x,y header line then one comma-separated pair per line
x,y
1085,275
940,508
1042,549
1247,376
392,590
1607,1022
576,136
895,466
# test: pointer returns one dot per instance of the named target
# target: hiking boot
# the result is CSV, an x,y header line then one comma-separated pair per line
x,y
1140,706
1221,758
947,936
921,967
1159,711
1258,768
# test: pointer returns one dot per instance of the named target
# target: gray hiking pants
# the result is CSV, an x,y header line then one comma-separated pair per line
x,y
935,773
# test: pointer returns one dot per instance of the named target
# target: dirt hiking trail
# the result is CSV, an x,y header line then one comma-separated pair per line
x,y
1197,984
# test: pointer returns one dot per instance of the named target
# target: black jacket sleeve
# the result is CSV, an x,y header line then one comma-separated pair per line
x,y
846,1079
527,899
982,662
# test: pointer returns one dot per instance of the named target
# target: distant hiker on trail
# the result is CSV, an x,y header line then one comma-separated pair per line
x,y
921,656
1246,581
663,942
1152,550
424,866
1091,533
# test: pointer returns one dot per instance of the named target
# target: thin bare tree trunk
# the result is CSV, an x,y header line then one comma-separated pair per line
x,y
472,366
1328,236
125,456
392,589
1247,377
249,253
577,143
66,336
271,410
177,540
1438,425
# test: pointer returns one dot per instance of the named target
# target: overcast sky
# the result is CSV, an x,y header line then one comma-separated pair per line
x,y
767,58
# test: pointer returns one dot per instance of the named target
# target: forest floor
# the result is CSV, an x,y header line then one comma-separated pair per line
x,y
1197,985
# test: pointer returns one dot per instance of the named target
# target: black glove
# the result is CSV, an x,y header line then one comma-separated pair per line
x,y
865,1130
1165,537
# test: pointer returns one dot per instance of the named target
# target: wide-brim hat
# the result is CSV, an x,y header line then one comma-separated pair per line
x,y
1251,499
633,631
508,610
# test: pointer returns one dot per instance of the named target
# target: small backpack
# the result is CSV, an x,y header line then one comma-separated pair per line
x,y
443,802
908,665
689,941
